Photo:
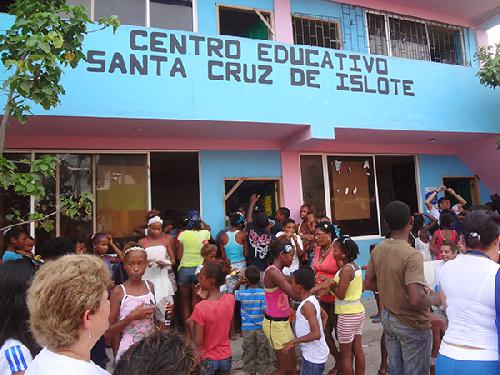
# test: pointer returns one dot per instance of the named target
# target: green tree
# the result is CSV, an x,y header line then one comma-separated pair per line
x,y
489,74
45,38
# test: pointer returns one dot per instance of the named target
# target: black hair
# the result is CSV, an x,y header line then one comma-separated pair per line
x,y
287,221
14,280
327,227
55,248
284,211
12,233
418,223
252,274
441,200
130,244
142,357
349,248
397,215
237,219
304,276
216,270
446,220
481,228
277,247
261,220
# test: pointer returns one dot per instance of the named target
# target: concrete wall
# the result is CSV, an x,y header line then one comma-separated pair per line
x,y
217,165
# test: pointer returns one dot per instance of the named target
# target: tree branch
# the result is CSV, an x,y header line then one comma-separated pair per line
x,y
7,227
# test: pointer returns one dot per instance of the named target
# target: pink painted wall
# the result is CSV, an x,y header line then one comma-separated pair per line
x,y
283,21
483,159
292,191
411,9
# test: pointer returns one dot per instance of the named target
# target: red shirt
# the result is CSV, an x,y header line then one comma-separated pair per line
x,y
327,268
215,317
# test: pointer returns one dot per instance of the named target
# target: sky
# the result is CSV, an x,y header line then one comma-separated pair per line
x,y
494,34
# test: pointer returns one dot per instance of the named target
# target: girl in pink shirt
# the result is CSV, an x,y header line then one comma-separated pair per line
x,y
211,319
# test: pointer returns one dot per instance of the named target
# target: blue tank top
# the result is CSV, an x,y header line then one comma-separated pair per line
x,y
234,250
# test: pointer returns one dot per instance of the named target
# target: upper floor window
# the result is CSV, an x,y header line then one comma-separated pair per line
x,y
246,23
4,6
166,14
391,34
314,31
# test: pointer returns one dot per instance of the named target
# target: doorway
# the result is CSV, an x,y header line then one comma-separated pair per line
x,y
175,183
466,187
396,181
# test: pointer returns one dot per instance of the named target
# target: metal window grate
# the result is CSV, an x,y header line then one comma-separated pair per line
x,y
416,39
317,31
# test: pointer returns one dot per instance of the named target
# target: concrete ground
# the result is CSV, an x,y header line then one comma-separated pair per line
x,y
371,344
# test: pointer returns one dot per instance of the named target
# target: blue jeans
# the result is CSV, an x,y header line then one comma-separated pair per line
x,y
309,368
409,349
449,366
186,276
213,366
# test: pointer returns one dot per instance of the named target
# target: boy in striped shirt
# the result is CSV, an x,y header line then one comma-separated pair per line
x,y
253,306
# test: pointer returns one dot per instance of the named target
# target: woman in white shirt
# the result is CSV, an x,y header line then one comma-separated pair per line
x,y
470,344
17,345
69,312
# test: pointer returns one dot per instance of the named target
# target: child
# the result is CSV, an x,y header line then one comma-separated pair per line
x,y
289,232
419,235
445,232
15,241
211,319
253,307
208,252
133,302
348,286
309,322
160,253
439,320
176,357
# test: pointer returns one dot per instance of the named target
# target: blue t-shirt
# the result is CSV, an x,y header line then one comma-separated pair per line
x,y
253,306
10,255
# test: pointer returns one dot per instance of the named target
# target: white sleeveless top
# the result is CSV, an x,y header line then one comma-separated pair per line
x,y
468,283
314,351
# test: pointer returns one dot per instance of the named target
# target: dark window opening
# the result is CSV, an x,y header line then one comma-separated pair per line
x,y
445,45
466,187
376,34
175,185
172,14
243,23
5,4
317,32
408,39
238,192
395,181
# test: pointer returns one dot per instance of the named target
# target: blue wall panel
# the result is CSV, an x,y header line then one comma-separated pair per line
x,y
434,167
217,165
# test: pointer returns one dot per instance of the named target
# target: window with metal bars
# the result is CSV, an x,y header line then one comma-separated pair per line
x,y
318,32
390,34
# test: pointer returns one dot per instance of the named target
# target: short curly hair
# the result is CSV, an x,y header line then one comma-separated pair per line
x,y
60,293
159,353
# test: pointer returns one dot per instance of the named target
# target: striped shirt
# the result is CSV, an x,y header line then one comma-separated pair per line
x,y
14,357
253,306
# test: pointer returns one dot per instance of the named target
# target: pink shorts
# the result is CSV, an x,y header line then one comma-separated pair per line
x,y
349,325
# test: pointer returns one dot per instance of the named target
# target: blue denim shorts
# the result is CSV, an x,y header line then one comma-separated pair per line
x,y
212,366
186,276
309,368
449,366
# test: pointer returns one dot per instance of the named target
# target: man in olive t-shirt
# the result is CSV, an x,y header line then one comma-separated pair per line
x,y
396,271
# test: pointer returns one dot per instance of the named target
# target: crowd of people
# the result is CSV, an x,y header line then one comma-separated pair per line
x,y
171,300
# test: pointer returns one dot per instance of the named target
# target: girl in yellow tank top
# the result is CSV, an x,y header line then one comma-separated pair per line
x,y
347,285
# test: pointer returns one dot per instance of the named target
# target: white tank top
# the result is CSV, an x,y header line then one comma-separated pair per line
x,y
468,283
314,351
